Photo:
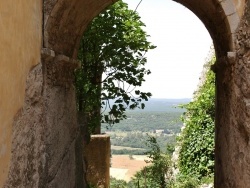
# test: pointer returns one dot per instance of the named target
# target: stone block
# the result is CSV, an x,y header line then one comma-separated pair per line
x,y
228,7
234,22
97,158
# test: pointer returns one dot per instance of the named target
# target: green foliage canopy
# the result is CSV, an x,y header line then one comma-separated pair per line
x,y
112,55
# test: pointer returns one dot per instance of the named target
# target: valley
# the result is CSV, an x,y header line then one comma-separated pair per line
x,y
161,118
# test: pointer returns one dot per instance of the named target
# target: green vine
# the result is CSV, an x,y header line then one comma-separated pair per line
x,y
196,157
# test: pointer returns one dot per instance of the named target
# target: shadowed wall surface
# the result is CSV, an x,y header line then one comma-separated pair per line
x,y
97,155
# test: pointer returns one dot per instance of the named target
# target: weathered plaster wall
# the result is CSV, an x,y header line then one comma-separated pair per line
x,y
20,44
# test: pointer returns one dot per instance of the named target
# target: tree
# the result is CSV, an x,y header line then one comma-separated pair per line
x,y
196,156
112,55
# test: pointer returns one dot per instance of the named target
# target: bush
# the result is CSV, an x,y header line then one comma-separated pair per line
x,y
115,183
158,173
183,181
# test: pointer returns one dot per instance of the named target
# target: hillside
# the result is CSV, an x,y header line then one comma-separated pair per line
x,y
160,118
158,114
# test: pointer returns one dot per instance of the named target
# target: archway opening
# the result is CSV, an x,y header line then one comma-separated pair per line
x,y
212,13
185,60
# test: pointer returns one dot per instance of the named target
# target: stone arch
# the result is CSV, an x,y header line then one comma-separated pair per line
x,y
57,150
66,20
46,137
221,20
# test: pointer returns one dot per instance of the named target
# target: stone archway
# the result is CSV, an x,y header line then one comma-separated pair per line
x,y
65,22
48,142
221,18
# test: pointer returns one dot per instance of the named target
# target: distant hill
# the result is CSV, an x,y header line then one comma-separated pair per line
x,y
158,114
160,105
163,105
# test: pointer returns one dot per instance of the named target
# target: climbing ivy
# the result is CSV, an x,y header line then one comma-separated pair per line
x,y
196,157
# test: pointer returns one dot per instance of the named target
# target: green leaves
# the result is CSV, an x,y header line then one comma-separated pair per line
x,y
112,56
158,173
197,139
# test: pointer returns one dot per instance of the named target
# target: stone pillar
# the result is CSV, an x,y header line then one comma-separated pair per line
x,y
232,149
63,137
46,137
97,157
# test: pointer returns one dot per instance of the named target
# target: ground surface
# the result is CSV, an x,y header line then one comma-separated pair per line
x,y
122,167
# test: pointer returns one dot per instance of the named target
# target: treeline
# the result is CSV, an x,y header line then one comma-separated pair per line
x,y
148,122
128,152
139,139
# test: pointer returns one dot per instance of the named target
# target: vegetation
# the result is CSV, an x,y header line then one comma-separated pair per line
x,y
112,55
156,175
196,157
197,139
115,183
128,152
133,131
149,121
160,114
138,140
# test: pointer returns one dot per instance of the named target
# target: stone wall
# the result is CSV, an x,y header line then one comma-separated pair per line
x,y
97,156
62,131
27,155
20,44
65,22
233,112
40,141
46,136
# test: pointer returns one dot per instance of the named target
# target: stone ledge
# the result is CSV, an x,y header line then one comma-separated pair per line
x,y
231,56
49,55
96,136
228,7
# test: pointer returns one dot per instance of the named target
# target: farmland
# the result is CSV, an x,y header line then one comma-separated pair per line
x,y
161,119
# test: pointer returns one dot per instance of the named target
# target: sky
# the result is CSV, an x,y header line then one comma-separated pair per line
x,y
183,43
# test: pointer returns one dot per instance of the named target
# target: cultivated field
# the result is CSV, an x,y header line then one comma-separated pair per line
x,y
123,147
123,167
